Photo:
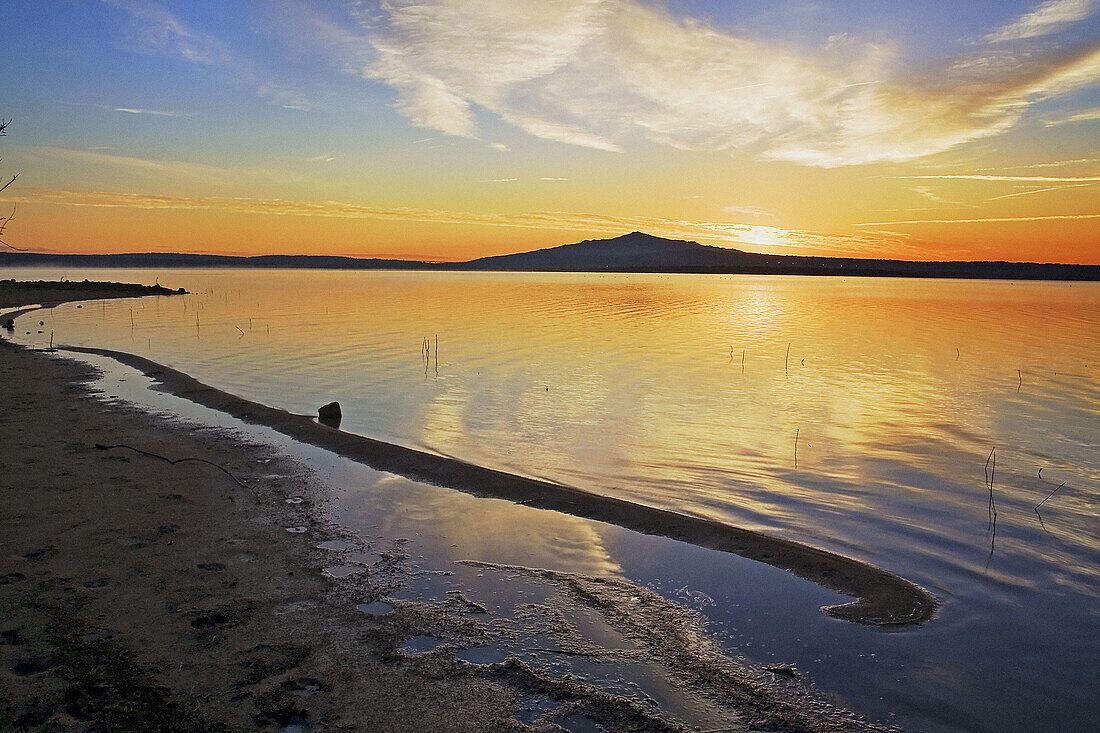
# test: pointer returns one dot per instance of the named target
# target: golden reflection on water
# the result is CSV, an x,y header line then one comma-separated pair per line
x,y
469,528
680,392
685,392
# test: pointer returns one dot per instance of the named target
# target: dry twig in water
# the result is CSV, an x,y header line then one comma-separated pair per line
x,y
1044,501
990,472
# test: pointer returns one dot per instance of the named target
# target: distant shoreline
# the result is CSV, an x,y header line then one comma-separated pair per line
x,y
631,253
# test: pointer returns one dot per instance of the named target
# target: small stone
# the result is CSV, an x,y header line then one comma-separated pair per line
x,y
330,414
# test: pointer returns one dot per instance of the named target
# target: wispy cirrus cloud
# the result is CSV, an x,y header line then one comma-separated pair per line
x,y
155,29
170,171
1049,17
929,193
985,220
768,238
1032,192
1088,115
152,112
988,177
748,210
603,73
1047,164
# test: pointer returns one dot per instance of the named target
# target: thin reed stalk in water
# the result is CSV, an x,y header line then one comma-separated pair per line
x,y
786,359
796,448
1020,375
1044,501
990,473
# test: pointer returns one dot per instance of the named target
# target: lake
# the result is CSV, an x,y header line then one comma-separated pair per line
x,y
912,424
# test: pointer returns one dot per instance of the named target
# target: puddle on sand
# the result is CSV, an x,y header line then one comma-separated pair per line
x,y
342,571
378,608
534,707
295,726
421,644
481,655
577,723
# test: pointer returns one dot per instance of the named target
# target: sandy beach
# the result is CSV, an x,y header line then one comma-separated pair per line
x,y
143,595
163,576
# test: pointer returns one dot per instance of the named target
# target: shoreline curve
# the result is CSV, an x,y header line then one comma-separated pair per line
x,y
882,597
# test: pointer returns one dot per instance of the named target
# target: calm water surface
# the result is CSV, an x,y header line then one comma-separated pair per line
x,y
855,415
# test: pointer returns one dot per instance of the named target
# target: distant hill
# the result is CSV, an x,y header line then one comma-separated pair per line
x,y
638,252
634,252
177,259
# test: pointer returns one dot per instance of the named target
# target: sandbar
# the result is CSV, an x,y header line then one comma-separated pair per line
x,y
882,598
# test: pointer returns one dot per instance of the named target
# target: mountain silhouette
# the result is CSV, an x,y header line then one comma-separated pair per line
x,y
633,252
639,252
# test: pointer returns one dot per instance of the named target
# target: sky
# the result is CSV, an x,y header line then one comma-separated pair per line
x,y
453,129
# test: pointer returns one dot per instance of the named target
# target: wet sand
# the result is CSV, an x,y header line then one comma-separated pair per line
x,y
156,577
142,595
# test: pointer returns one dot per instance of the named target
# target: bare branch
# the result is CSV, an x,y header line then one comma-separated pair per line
x,y
5,219
10,182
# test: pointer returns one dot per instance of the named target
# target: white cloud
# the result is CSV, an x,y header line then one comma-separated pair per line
x,y
1049,164
1038,190
747,210
154,29
1049,17
989,220
170,171
153,112
285,98
1026,179
929,193
1088,115
602,73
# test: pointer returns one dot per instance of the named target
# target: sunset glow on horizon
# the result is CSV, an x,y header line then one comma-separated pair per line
x,y
452,129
